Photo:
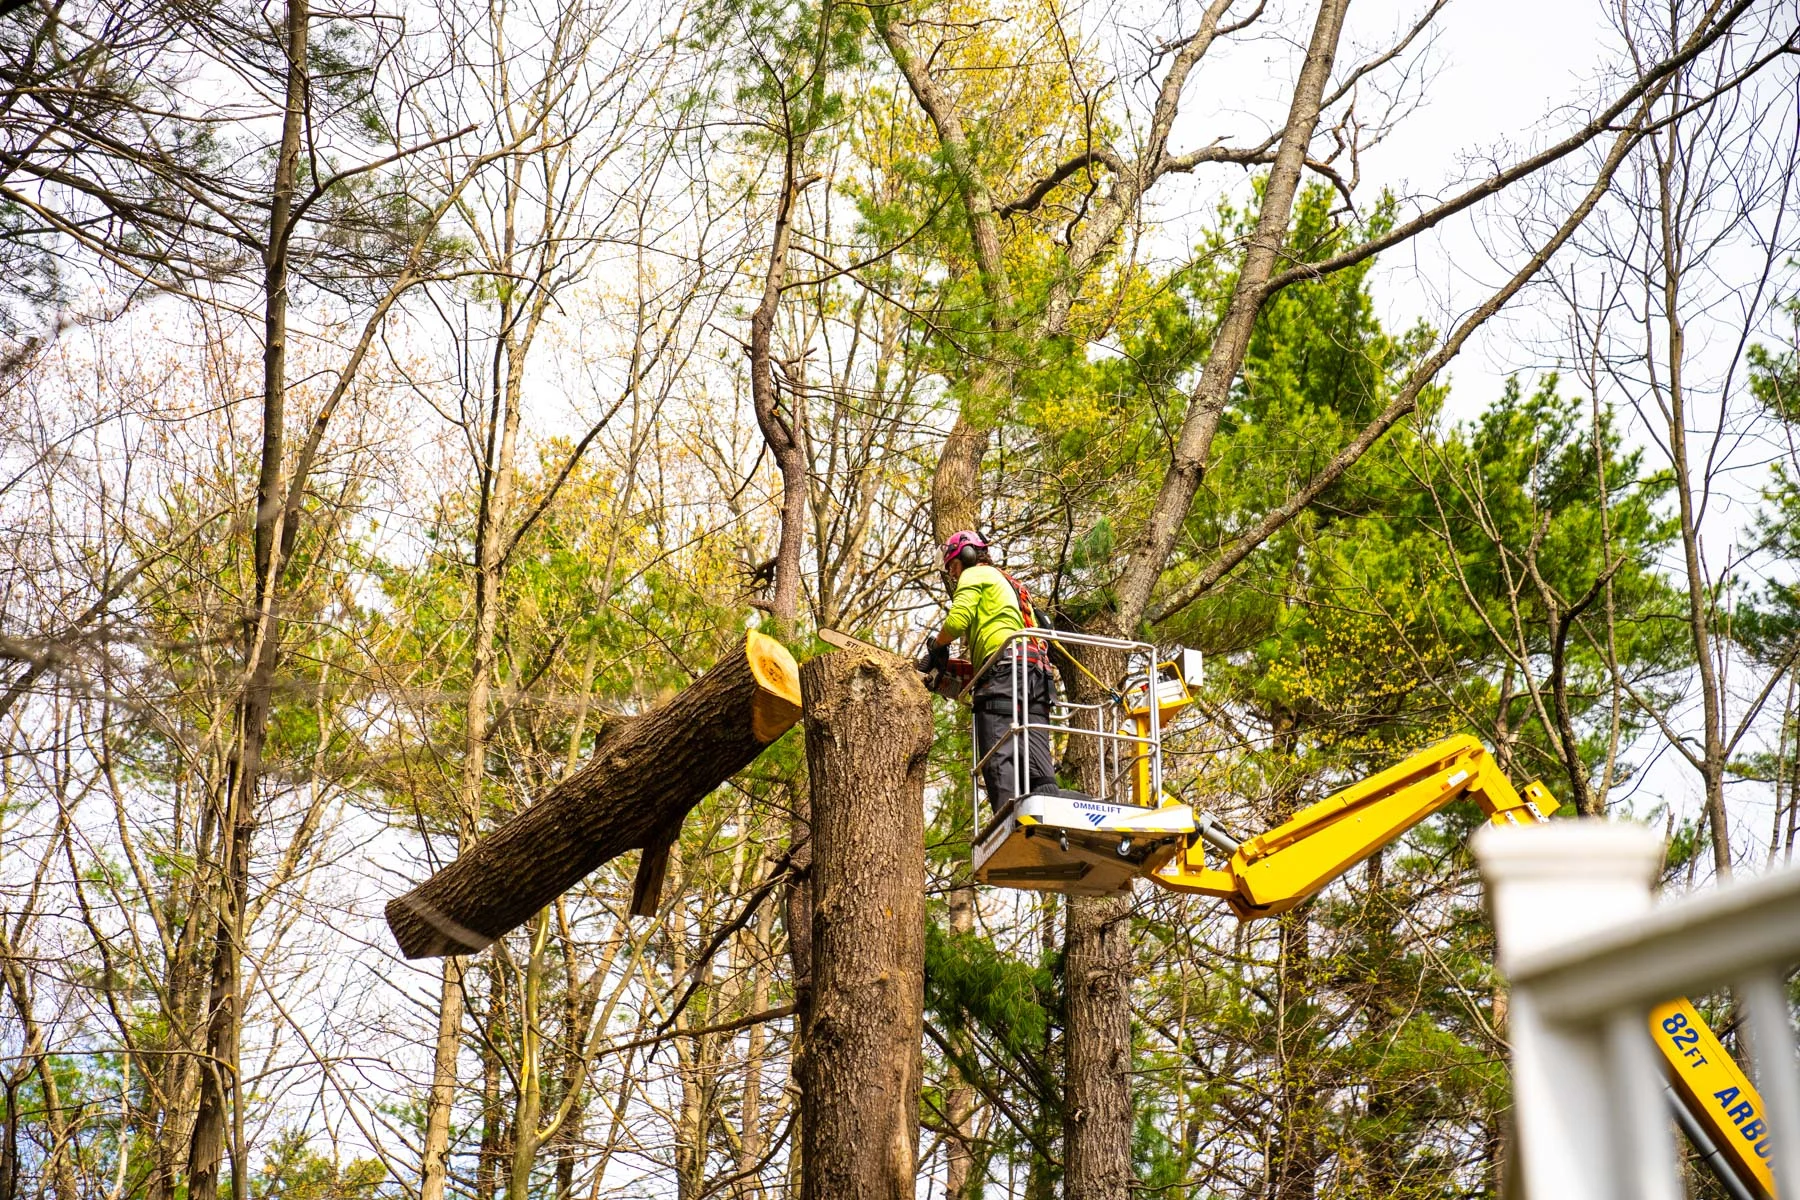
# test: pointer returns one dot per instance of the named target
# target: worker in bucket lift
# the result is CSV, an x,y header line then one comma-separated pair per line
x,y
989,605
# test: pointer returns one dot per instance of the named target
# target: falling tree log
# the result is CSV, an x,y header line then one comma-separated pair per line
x,y
643,777
868,733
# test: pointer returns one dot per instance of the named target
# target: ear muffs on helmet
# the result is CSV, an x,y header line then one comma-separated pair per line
x,y
964,549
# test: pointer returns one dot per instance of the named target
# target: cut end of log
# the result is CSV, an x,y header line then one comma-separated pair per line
x,y
424,932
777,703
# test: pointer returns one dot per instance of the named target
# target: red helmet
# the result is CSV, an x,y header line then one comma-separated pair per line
x,y
965,540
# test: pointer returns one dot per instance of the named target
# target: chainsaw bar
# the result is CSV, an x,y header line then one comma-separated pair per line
x,y
843,641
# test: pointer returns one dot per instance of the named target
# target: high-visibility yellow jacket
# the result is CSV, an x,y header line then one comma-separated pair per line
x,y
985,611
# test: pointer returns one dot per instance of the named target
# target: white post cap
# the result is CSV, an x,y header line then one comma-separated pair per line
x,y
1552,883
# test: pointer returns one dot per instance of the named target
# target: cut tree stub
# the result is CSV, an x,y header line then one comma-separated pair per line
x,y
643,777
868,737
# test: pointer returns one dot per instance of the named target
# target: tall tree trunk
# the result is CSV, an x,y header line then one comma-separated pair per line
x,y
797,915
220,1098
784,433
1097,957
750,1131
868,735
785,436
691,1055
1097,1116
752,949
1193,445
528,1103
581,995
1097,1048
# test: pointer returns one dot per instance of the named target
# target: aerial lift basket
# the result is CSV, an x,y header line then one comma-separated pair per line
x,y
1059,841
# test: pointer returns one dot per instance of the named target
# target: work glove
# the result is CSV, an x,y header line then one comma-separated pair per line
x,y
935,658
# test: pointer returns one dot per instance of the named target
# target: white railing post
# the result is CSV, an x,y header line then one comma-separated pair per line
x,y
1578,1138
1771,1030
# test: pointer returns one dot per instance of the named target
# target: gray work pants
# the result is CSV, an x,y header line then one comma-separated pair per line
x,y
994,716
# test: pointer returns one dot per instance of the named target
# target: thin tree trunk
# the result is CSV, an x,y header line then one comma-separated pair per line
x,y
493,1121
694,1061
434,1167
219,1072
785,436
750,1132
868,735
1712,761
751,949
580,997
960,1182
797,904
9,1137
528,1104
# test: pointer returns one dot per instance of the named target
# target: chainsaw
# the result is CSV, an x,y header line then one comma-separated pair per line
x,y
947,680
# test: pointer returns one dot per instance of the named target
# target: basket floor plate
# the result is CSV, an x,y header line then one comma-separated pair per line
x,y
1060,844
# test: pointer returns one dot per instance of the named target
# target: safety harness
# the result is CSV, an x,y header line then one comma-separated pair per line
x,y
1036,654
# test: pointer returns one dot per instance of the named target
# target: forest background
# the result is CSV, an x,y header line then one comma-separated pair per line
x,y
392,396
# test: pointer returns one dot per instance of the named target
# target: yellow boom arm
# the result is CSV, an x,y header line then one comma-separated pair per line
x,y
1274,871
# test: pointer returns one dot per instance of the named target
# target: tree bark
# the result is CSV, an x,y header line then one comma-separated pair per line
x,y
956,482
785,435
1097,1048
642,778
868,733
750,1112
493,1117
1097,983
1293,1167
797,913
